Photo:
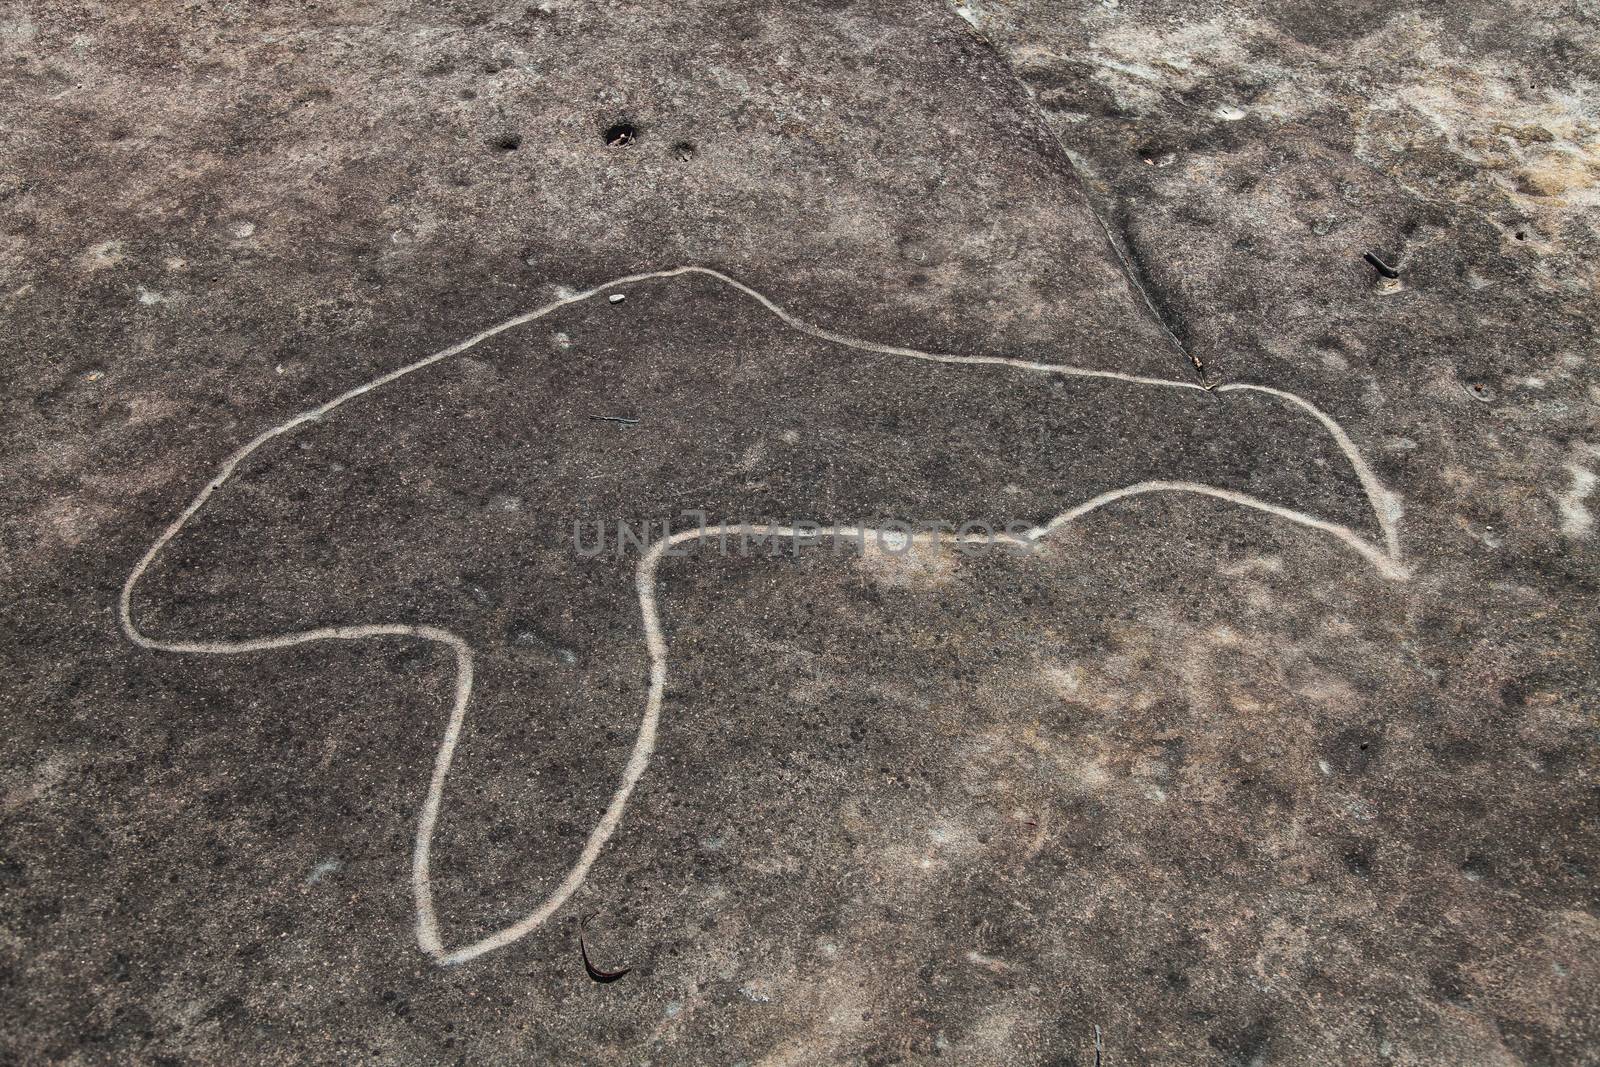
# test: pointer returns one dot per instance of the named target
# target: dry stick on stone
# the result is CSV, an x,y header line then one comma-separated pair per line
x,y
594,972
1379,265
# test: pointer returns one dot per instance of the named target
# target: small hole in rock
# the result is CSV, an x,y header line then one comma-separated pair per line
x,y
683,151
621,135
507,142
1521,236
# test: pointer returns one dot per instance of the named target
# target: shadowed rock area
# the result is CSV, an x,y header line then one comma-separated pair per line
x,y
1190,783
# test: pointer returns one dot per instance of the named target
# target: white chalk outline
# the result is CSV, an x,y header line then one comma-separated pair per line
x,y
1386,560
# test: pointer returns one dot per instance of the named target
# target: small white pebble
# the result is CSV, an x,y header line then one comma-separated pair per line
x,y
1229,113
617,298
242,230
322,870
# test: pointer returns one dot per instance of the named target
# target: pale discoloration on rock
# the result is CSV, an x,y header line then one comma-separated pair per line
x,y
907,566
1576,520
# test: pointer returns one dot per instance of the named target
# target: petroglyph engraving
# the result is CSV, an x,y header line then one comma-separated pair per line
x,y
1384,558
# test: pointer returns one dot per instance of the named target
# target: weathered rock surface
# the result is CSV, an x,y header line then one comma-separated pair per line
x,y
1194,778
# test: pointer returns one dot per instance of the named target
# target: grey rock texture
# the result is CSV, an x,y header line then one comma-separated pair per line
x,y
1194,779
